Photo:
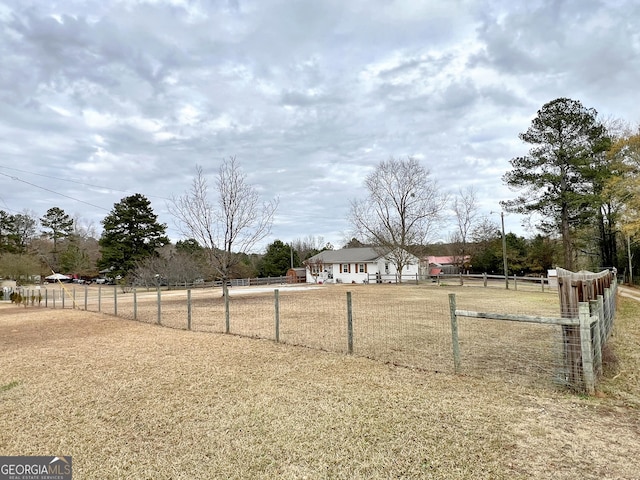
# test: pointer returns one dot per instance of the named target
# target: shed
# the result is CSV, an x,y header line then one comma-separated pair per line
x,y
297,275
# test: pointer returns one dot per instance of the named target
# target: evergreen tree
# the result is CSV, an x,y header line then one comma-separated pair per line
x,y
58,225
277,260
353,243
190,245
556,177
541,254
131,233
16,231
77,255
6,228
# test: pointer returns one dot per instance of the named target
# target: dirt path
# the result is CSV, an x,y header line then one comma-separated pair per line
x,y
629,292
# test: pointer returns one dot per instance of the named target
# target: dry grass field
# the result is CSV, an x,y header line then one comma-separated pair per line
x,y
134,400
406,325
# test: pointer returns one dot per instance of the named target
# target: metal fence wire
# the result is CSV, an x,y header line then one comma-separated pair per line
x,y
407,325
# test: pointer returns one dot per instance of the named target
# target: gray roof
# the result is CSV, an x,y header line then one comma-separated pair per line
x,y
347,255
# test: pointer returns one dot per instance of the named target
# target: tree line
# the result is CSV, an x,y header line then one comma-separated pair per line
x,y
578,187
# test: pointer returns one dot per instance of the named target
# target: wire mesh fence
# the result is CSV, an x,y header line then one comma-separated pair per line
x,y
408,325
512,282
519,352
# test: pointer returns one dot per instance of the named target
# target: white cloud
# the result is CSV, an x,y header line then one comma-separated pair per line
x,y
98,120
308,96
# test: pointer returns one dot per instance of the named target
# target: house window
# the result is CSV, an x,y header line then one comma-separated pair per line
x,y
344,268
362,268
386,267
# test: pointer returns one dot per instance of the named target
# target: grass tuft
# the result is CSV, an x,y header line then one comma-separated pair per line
x,y
9,386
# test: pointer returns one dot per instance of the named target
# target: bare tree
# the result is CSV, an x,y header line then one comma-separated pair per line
x,y
465,208
308,246
170,266
402,208
485,230
83,228
315,267
231,223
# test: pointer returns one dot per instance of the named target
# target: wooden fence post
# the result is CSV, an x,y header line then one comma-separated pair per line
x,y
115,300
484,279
135,303
606,327
46,298
586,348
159,320
349,324
188,308
603,320
454,333
227,313
276,294
594,307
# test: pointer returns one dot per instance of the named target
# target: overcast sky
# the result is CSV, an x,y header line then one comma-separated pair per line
x,y
101,100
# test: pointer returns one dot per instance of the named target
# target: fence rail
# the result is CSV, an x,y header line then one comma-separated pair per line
x,y
578,363
427,327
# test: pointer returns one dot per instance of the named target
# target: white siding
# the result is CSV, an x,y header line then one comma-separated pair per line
x,y
334,273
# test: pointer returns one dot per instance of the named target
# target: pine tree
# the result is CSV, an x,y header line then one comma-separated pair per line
x,y
556,176
277,260
59,225
131,233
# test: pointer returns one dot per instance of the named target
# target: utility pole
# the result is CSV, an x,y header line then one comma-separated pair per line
x,y
504,254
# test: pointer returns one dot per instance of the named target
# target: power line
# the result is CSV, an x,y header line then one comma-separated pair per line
x,y
13,177
63,195
76,182
6,205
52,191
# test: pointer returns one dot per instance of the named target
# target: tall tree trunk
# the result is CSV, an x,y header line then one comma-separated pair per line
x,y
602,240
607,244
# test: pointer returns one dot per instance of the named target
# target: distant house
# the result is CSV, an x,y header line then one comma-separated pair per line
x,y
447,265
356,265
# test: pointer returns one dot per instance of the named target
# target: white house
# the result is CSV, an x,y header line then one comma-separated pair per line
x,y
357,265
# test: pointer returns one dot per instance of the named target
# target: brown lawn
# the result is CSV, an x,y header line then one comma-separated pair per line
x,y
133,400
